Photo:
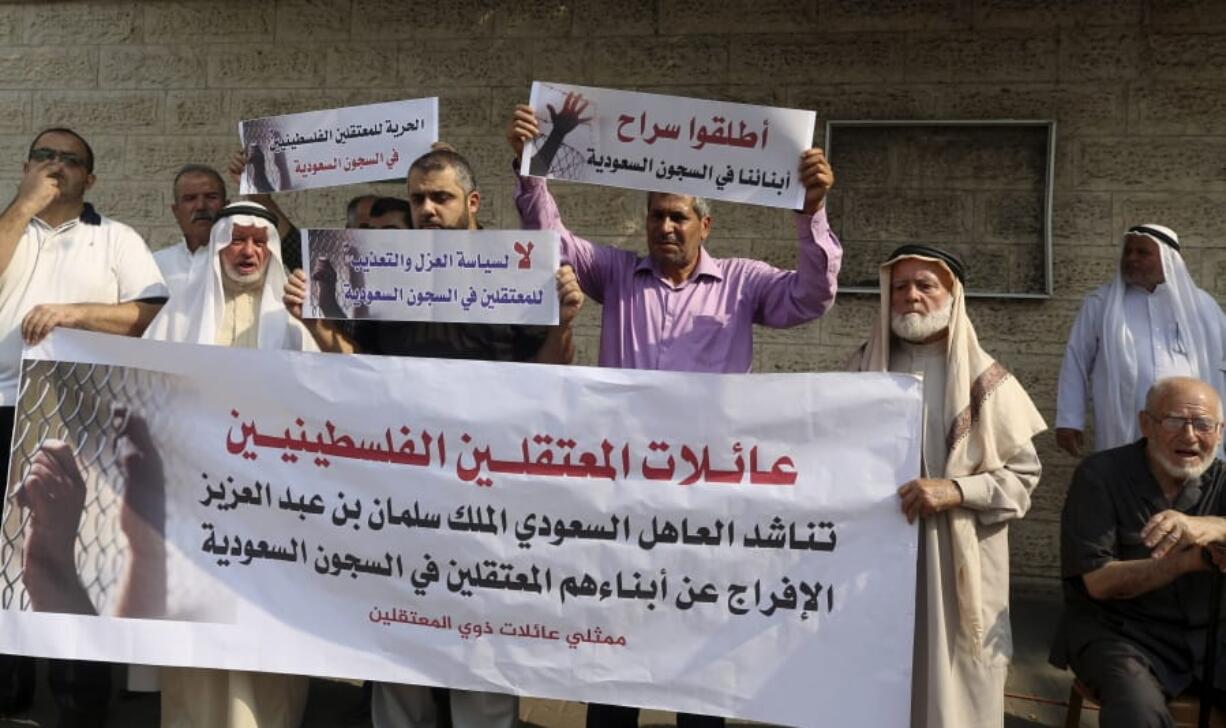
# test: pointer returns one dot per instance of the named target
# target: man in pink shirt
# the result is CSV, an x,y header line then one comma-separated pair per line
x,y
678,308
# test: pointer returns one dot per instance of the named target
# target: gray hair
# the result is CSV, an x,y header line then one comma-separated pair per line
x,y
1164,388
699,205
196,169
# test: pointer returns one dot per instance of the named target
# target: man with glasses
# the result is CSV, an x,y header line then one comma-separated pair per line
x,y
1141,529
236,302
63,264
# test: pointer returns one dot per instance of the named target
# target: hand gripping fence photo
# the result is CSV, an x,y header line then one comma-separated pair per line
x,y
89,408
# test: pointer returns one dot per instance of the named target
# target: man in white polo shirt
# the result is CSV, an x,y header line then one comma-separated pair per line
x,y
63,264
199,194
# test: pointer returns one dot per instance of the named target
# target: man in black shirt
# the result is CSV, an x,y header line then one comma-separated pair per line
x,y
1138,538
443,195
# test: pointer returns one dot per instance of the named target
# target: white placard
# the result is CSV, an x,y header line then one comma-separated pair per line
x,y
477,276
717,149
336,147
720,544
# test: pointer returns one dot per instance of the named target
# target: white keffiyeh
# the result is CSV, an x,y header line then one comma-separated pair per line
x,y
194,314
1194,312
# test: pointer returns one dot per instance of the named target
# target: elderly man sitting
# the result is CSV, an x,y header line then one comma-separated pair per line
x,y
1134,533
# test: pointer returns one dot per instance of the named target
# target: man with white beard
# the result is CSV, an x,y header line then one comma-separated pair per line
x,y
978,469
232,297
1140,530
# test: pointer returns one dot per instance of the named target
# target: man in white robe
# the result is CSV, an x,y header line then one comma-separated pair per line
x,y
1149,323
979,467
199,194
233,298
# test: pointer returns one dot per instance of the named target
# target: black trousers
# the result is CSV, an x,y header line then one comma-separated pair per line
x,y
621,716
81,690
1128,691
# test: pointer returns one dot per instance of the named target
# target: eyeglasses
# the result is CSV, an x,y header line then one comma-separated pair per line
x,y
1201,425
42,154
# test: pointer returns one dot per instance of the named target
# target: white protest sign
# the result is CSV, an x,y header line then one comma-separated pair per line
x,y
474,276
336,147
717,149
719,544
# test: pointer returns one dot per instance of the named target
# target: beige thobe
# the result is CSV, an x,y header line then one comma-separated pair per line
x,y
950,686
240,323
202,698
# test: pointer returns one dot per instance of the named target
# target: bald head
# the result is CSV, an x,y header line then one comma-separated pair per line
x,y
1182,425
1175,392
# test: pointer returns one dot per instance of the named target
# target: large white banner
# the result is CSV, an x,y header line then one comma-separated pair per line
x,y
475,276
723,544
337,146
717,149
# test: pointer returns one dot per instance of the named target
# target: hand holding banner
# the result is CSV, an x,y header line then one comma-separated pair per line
x,y
717,544
477,276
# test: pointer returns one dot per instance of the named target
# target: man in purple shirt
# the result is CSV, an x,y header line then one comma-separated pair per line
x,y
678,308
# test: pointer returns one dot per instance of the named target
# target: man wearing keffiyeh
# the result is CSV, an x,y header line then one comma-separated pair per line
x,y
232,297
978,470
1149,323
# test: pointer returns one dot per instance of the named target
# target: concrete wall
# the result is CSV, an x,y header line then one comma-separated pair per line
x,y
1138,88
977,189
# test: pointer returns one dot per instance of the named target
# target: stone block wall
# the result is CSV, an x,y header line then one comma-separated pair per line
x,y
1138,88
977,189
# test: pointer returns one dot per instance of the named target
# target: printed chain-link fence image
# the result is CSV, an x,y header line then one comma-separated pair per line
x,y
84,405
567,163
337,248
267,162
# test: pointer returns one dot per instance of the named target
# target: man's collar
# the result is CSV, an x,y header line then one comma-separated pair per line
x,y
90,216
1190,494
1141,289
188,249
707,266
